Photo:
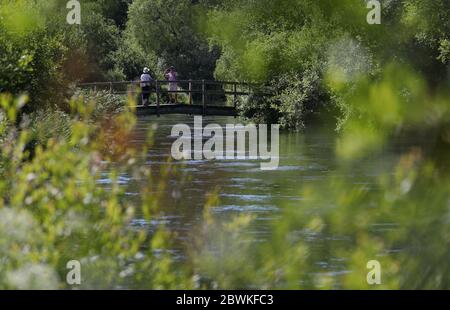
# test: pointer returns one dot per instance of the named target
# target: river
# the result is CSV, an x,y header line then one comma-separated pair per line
x,y
306,158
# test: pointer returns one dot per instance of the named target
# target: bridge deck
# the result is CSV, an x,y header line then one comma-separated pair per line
x,y
190,88
186,109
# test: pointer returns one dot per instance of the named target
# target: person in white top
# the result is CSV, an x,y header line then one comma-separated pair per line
x,y
146,80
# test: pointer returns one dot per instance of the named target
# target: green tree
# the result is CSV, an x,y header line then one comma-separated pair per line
x,y
264,41
169,30
30,57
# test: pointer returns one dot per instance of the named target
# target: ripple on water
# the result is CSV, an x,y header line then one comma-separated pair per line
x,y
164,220
191,169
225,164
245,180
245,208
248,197
121,180
293,168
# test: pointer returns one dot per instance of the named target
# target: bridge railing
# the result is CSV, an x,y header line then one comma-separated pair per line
x,y
204,88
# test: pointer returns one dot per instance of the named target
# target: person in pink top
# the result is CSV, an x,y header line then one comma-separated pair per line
x,y
171,76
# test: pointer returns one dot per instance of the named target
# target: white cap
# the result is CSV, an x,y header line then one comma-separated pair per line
x,y
146,70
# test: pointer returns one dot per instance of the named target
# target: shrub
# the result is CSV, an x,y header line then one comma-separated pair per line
x,y
295,97
52,210
105,104
298,98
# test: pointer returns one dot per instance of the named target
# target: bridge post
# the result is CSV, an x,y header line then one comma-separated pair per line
x,y
190,91
235,94
110,87
157,97
204,97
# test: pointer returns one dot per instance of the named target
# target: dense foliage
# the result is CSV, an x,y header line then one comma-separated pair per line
x,y
169,29
266,41
53,209
381,83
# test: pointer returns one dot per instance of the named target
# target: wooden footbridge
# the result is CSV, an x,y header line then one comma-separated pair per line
x,y
194,97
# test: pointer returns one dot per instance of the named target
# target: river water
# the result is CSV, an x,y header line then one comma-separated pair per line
x,y
306,158
242,185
